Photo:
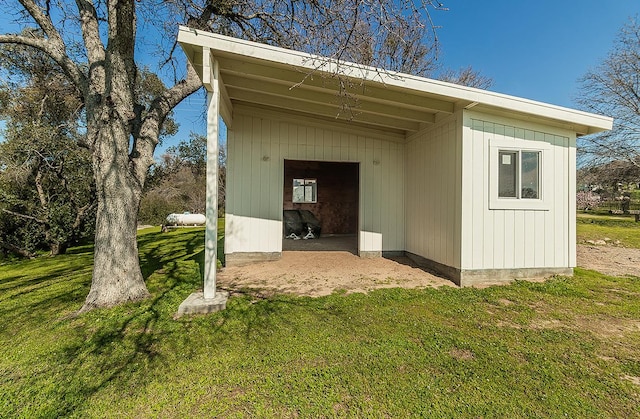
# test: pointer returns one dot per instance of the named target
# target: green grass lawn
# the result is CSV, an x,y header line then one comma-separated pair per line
x,y
615,227
566,347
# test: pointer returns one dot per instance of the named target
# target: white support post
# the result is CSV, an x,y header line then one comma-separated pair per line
x,y
211,233
209,300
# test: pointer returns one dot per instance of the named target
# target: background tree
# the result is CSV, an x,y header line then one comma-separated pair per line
x,y
466,76
94,43
609,176
613,88
177,183
587,200
47,194
46,181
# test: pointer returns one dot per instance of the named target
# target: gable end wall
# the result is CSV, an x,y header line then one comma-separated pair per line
x,y
512,239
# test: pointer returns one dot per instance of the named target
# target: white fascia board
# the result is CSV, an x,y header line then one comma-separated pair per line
x,y
448,91
594,122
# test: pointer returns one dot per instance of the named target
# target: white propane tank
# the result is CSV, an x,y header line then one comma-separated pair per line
x,y
186,219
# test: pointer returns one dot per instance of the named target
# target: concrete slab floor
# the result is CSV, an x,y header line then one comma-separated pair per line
x,y
337,243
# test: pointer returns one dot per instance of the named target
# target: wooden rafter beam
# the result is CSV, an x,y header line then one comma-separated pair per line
x,y
321,109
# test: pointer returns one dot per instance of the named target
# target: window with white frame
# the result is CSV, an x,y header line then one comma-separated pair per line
x,y
519,175
305,191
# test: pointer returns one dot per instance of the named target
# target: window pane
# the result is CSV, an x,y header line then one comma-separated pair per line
x,y
507,164
298,190
530,175
310,190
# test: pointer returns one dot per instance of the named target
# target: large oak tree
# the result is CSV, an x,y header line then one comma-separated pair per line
x,y
95,44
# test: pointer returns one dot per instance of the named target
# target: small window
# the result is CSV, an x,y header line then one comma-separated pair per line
x,y
518,171
305,191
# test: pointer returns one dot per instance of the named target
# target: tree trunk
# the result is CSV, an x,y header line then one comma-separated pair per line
x,y
58,248
117,277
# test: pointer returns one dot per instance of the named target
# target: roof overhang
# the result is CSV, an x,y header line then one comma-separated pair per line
x,y
301,83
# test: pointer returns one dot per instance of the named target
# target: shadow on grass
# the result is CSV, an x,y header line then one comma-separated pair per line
x,y
123,348
126,350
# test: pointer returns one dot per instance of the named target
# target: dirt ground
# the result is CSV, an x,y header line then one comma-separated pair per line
x,y
610,260
321,273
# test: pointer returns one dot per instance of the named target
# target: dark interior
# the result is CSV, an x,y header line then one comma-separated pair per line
x,y
337,193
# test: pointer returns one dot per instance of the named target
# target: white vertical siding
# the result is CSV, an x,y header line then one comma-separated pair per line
x,y
571,219
259,143
516,238
433,172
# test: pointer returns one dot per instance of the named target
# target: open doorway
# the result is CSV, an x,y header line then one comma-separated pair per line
x,y
328,192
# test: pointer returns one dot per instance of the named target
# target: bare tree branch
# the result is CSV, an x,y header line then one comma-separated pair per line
x,y
23,216
613,88
42,19
81,214
41,194
160,108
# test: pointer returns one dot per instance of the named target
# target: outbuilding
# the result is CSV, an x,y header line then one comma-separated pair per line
x,y
473,184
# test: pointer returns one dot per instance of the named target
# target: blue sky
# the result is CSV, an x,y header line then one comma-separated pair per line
x,y
533,49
